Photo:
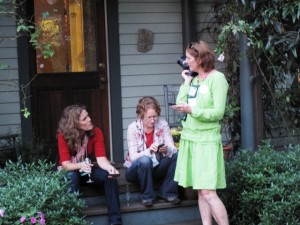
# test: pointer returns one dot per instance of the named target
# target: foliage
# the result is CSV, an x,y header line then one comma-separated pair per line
x,y
176,134
28,216
38,186
33,150
272,28
26,27
263,187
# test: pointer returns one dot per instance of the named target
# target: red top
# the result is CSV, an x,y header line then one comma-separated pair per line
x,y
95,144
149,138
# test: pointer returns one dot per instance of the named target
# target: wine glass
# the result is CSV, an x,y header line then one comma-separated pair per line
x,y
127,195
87,161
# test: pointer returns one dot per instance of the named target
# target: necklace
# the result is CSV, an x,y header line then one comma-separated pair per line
x,y
203,78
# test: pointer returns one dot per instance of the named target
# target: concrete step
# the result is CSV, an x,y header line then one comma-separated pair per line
x,y
136,214
197,222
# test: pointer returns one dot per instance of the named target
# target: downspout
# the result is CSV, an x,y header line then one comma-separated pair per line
x,y
246,97
189,29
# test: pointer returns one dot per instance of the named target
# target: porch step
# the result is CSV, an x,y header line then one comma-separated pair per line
x,y
101,207
197,222
136,214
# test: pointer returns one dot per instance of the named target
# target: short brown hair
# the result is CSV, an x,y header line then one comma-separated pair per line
x,y
145,103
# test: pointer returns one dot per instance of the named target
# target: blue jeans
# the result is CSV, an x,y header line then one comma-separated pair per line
x,y
110,186
142,172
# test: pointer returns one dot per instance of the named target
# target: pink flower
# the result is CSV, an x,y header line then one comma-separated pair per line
x,y
2,212
41,215
221,57
23,218
42,221
33,220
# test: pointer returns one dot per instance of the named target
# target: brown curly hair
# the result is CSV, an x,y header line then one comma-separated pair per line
x,y
201,50
68,125
145,103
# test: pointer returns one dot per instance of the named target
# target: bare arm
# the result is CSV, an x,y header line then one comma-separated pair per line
x,y
106,165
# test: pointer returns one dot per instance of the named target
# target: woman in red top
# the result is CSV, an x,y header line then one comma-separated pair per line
x,y
78,139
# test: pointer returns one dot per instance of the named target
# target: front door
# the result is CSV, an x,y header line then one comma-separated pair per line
x,y
73,31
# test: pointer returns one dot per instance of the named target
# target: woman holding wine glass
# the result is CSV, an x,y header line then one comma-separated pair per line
x,y
78,142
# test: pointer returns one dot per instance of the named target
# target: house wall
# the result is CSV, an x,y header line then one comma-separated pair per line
x,y
10,118
145,73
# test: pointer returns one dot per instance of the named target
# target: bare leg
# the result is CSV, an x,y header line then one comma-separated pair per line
x,y
216,206
204,209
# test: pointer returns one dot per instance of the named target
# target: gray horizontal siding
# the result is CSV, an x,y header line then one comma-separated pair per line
x,y
8,32
9,108
161,28
8,42
151,69
8,74
10,120
153,80
159,49
10,129
145,73
150,59
149,7
153,18
163,38
9,97
8,53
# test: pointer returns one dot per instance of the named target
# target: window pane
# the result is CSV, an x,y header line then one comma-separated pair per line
x,y
67,27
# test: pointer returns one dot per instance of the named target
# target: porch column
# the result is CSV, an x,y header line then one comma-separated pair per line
x,y
189,29
246,97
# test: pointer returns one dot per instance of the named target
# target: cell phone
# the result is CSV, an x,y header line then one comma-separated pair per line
x,y
172,103
159,146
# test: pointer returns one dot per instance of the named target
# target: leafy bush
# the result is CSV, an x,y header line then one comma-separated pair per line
x,y
264,187
37,188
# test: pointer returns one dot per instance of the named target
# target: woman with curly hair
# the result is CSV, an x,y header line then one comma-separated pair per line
x,y
78,140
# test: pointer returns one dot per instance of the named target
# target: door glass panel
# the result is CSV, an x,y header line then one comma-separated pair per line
x,y
68,28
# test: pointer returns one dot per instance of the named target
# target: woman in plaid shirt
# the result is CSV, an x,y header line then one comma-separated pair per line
x,y
145,160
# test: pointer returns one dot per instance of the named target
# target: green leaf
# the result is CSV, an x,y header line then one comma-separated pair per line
x,y
3,66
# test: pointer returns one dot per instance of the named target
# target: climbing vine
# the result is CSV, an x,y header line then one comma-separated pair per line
x,y
33,31
273,32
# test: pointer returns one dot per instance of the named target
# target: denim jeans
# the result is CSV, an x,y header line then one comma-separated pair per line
x,y
110,186
142,172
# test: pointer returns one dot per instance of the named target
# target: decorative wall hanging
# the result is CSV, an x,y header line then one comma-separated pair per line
x,y
145,40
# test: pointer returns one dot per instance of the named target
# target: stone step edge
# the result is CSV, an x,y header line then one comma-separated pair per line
x,y
101,209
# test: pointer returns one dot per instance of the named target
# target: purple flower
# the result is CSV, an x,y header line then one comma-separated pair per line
x,y
2,212
23,218
41,215
33,220
42,221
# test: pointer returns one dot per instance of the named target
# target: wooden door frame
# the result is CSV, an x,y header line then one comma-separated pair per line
x,y
25,61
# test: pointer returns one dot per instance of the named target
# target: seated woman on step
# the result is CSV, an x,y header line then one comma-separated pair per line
x,y
151,153
78,141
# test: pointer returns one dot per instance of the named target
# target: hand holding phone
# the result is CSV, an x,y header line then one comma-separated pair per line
x,y
159,146
172,103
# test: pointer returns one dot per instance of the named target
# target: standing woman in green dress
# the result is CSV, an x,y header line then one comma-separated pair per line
x,y
200,162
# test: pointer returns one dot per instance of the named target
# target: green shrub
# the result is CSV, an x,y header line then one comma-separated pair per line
x,y
263,187
27,189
